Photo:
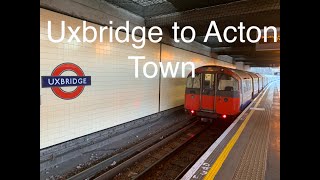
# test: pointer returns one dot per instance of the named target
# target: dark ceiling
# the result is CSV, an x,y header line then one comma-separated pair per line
x,y
199,13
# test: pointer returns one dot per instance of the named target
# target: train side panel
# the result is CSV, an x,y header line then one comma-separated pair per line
x,y
192,102
228,105
246,93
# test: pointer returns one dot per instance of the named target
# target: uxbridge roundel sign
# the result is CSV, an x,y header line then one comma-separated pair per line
x,y
56,81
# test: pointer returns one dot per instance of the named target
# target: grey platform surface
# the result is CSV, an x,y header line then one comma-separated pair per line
x,y
256,153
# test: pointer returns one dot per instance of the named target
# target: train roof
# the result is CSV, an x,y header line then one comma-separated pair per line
x,y
253,75
259,75
240,73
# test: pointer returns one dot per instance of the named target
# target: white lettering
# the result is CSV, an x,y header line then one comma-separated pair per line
x,y
122,33
225,34
126,29
258,34
74,34
80,81
50,83
142,39
136,65
241,28
159,33
169,66
85,29
217,33
102,29
164,70
193,34
175,28
184,68
62,32
145,70
111,32
275,33
57,82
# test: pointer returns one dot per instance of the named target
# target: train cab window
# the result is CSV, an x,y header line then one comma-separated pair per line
x,y
227,83
196,81
193,82
189,82
208,81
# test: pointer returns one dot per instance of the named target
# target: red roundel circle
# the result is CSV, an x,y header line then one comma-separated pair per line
x,y
58,71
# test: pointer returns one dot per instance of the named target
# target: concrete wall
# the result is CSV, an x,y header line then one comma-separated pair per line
x,y
115,96
96,11
239,65
263,70
246,67
225,58
193,46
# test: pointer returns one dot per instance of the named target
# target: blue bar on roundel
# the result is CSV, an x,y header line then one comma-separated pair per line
x,y
65,81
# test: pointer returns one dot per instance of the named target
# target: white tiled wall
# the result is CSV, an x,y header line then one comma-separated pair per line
x,y
115,96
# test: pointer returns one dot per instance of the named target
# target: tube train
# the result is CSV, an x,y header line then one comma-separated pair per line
x,y
220,92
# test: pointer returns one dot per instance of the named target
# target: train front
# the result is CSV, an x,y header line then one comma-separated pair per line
x,y
213,93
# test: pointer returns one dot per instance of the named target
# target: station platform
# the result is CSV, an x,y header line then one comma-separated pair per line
x,y
250,147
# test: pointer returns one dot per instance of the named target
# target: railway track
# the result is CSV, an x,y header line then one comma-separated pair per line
x,y
168,158
171,160
175,164
123,157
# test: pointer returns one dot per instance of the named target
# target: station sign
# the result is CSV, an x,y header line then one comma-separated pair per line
x,y
56,81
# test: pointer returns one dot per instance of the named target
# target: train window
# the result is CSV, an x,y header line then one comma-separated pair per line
x,y
193,82
256,82
189,82
227,83
249,84
246,85
208,81
196,81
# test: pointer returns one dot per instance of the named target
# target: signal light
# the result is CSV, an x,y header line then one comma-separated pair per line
x,y
192,111
224,116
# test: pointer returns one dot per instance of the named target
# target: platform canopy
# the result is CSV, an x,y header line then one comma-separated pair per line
x,y
199,14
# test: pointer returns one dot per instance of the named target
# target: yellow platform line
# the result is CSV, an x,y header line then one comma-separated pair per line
x,y
224,154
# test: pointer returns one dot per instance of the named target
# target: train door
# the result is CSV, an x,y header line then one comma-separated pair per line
x,y
192,97
227,95
207,101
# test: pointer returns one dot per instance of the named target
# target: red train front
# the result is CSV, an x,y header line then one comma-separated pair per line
x,y
218,91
